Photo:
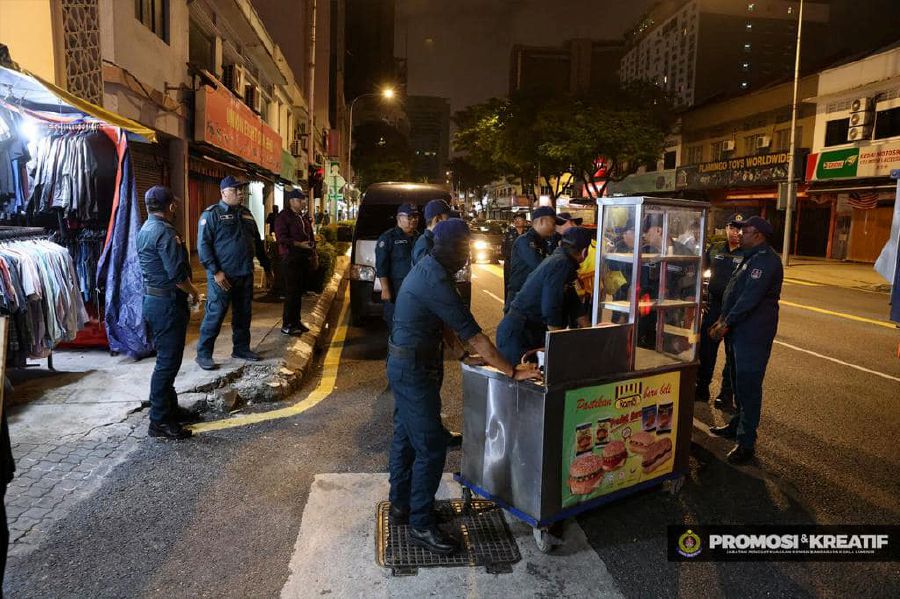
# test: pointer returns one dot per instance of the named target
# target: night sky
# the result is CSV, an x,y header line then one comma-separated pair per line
x,y
460,49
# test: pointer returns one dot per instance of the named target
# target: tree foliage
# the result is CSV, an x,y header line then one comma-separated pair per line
x,y
380,153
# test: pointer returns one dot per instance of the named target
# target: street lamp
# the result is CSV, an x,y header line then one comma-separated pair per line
x,y
387,93
791,190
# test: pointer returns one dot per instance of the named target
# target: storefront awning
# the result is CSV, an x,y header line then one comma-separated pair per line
x,y
30,91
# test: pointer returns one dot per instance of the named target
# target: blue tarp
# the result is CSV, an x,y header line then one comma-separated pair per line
x,y
120,269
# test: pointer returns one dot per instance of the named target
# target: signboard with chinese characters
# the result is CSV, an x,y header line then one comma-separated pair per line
x,y
748,171
225,122
849,163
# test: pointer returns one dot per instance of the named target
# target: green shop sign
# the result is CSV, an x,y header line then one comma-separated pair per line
x,y
838,164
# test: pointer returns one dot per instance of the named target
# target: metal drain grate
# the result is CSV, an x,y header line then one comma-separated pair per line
x,y
482,530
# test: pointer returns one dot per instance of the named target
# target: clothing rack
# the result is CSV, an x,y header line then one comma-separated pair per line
x,y
22,234
71,126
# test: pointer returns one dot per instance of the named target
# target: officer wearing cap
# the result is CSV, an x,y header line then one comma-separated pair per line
x,y
569,221
722,259
227,239
546,300
435,212
166,273
530,249
297,249
748,323
427,301
393,256
514,232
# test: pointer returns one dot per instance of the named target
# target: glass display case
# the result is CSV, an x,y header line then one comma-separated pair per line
x,y
649,275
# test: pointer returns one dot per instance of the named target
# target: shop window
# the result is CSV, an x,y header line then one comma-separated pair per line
x,y
887,123
694,155
201,51
154,14
836,132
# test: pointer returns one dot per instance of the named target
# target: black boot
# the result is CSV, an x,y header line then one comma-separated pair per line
x,y
725,401
433,539
728,431
168,430
398,515
454,440
740,455
701,393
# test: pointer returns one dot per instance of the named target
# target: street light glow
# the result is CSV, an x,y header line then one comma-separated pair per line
x,y
387,93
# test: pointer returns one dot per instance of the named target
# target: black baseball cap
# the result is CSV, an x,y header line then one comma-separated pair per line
x,y
760,224
408,210
578,238
230,181
546,211
736,220
296,194
450,232
567,216
158,197
436,208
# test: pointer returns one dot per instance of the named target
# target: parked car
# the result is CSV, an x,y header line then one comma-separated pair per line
x,y
487,239
378,213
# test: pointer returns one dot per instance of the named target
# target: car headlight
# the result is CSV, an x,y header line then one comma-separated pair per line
x,y
707,273
481,245
464,274
360,272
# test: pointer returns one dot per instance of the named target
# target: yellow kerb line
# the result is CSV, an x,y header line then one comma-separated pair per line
x,y
880,323
316,396
791,281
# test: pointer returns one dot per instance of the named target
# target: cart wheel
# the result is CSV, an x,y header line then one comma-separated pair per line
x,y
676,484
544,540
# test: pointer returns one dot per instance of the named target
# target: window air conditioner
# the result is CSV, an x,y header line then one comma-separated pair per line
x,y
861,105
233,78
859,133
763,141
728,145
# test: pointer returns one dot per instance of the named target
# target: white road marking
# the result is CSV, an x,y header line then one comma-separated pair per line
x,y
836,361
493,296
335,554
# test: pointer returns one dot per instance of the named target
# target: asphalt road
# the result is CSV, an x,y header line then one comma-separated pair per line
x,y
218,516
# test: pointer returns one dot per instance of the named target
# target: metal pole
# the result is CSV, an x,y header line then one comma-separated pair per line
x,y
311,93
350,144
791,187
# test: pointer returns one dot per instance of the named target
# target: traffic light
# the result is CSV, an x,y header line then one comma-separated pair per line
x,y
316,177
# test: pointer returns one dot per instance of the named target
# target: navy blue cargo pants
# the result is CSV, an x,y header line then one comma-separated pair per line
x,y
167,319
240,298
749,358
708,352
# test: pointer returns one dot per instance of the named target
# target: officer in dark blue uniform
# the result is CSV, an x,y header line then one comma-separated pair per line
x,y
722,259
428,300
530,249
166,272
435,212
569,221
547,300
227,239
393,256
748,323
514,232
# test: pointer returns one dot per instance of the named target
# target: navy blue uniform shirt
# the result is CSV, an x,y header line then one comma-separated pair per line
x,y
227,239
509,238
428,299
548,293
751,298
722,261
423,246
163,257
393,256
527,253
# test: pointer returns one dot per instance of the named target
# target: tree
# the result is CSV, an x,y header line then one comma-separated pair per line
x,y
380,153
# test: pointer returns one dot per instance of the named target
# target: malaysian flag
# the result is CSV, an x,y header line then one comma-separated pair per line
x,y
863,200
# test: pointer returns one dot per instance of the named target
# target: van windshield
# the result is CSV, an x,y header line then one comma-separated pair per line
x,y
375,219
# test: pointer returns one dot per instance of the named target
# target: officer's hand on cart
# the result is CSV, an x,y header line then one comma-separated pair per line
x,y
527,371
222,281
386,294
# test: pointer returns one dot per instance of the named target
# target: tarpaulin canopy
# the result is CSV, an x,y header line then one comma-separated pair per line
x,y
30,91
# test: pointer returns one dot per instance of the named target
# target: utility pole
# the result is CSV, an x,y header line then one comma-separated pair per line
x,y
311,93
791,186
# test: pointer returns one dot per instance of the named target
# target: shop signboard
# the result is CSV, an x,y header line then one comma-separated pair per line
x,y
848,163
618,435
659,181
288,167
748,171
225,122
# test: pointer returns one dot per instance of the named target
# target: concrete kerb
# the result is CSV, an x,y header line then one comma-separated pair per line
x,y
275,381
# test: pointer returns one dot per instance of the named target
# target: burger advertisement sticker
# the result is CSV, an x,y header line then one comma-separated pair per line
x,y
618,435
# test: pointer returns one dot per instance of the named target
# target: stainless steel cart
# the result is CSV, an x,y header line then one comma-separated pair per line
x,y
614,412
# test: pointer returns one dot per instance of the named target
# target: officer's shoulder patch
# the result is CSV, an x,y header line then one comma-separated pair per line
x,y
755,273
178,240
381,243
202,221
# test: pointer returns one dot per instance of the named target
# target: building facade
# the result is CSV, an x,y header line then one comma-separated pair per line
x,y
579,65
429,137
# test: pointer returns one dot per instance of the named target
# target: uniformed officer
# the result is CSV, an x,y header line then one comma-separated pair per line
x,y
427,301
722,259
393,256
435,212
748,323
166,273
546,300
569,222
514,232
530,249
227,239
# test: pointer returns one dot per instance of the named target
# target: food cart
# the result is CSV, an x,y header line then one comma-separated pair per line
x,y
614,411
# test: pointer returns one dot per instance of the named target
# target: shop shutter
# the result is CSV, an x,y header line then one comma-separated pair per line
x,y
151,167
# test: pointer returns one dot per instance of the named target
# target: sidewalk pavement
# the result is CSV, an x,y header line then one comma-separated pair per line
x,y
851,275
71,426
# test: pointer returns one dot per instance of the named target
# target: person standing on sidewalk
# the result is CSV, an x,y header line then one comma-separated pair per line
x,y
427,301
514,232
166,272
297,248
435,212
393,257
227,239
748,323
722,259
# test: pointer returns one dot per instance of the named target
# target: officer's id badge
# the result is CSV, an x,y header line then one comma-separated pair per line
x,y
226,217
755,273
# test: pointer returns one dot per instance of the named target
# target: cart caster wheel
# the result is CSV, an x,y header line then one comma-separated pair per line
x,y
676,484
467,500
544,540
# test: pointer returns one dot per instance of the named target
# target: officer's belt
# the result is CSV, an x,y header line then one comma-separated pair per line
x,y
157,292
423,353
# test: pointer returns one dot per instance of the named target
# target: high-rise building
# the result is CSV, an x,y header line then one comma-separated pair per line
x,y
370,46
699,49
578,65
429,136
